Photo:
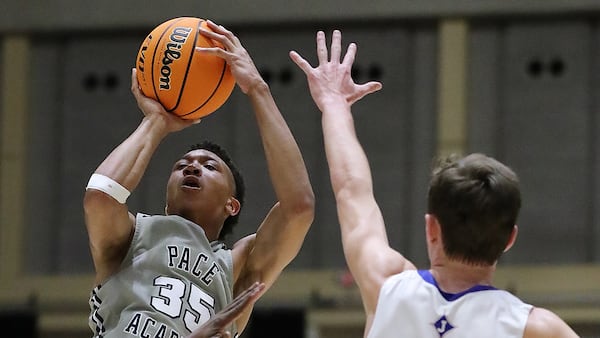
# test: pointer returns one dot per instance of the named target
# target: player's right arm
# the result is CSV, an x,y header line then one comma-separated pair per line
x,y
108,221
543,323
279,237
366,248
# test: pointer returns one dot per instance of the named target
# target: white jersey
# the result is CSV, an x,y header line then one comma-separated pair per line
x,y
171,281
412,305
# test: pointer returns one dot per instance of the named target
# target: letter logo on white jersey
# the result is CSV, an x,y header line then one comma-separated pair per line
x,y
442,326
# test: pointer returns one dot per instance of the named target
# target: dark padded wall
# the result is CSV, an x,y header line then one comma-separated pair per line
x,y
533,105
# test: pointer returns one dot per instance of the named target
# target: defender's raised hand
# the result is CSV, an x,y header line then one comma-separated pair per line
x,y
331,79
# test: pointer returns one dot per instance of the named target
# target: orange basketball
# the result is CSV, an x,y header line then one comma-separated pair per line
x,y
187,83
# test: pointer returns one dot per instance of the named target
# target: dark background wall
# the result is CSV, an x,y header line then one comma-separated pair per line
x,y
531,103
530,92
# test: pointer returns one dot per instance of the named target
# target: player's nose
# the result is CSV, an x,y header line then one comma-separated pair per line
x,y
191,169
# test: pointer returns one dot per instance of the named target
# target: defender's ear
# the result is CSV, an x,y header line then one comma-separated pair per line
x,y
512,238
432,228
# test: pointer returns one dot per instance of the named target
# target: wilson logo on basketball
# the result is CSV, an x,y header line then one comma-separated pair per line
x,y
172,53
188,84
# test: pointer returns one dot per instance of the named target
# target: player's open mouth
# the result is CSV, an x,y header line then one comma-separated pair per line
x,y
191,182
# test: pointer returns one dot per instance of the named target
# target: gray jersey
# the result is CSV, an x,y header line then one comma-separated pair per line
x,y
170,282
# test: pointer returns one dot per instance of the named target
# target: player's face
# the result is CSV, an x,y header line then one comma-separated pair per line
x,y
200,179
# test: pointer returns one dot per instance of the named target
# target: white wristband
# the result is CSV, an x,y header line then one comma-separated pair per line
x,y
109,186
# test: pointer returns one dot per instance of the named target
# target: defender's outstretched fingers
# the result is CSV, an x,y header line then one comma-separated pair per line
x,y
350,55
336,46
364,90
301,62
321,48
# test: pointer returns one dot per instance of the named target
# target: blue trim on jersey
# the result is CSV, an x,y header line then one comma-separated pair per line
x,y
428,277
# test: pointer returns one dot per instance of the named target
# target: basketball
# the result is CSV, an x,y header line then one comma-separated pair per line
x,y
187,83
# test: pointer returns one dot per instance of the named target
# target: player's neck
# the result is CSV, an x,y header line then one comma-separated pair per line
x,y
210,225
453,276
211,229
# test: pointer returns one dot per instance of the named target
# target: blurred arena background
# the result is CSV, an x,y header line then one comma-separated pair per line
x,y
518,80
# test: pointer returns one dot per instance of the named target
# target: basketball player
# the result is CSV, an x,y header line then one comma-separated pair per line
x,y
165,275
473,203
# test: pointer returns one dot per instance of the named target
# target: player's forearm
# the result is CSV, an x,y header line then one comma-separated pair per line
x,y
284,159
348,164
127,163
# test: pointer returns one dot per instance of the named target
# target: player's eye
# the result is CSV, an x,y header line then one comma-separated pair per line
x,y
180,166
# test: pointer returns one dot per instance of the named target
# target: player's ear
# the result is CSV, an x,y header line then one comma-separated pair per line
x,y
233,206
512,238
